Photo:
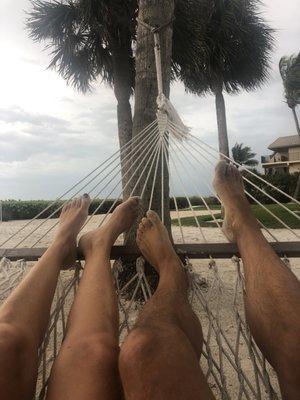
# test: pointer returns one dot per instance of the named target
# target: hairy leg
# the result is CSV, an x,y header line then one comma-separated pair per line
x,y
272,298
87,364
160,357
24,315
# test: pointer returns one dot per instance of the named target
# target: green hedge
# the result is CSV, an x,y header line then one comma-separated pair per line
x,y
18,209
285,182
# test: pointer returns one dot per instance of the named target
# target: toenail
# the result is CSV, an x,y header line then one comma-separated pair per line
x,y
86,195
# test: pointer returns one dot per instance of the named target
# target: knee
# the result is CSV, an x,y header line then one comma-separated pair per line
x,y
93,350
14,344
142,345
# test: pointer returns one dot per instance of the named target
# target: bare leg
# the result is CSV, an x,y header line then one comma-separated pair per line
x,y
25,314
87,364
272,301
160,357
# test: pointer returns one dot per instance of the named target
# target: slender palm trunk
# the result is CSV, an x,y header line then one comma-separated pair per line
x,y
297,190
155,13
296,120
122,59
221,120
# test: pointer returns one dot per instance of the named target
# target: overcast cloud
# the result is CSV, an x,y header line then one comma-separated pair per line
x,y
50,135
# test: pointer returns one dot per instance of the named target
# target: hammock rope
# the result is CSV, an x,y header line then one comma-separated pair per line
x,y
232,362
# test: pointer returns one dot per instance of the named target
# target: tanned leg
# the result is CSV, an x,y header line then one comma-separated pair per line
x,y
160,358
272,298
87,364
24,315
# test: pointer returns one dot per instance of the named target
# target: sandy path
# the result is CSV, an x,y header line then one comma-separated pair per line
x,y
38,229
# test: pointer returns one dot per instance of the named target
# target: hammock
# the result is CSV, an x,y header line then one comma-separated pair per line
x,y
233,364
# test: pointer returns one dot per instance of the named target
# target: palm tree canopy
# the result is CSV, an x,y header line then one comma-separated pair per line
x,y
244,155
235,49
290,72
79,37
80,34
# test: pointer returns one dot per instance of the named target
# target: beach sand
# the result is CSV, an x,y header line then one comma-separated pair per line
x,y
225,308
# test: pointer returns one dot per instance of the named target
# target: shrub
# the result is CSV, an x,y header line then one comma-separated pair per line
x,y
18,209
285,182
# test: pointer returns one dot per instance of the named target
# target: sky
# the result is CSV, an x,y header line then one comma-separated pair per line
x,y
51,135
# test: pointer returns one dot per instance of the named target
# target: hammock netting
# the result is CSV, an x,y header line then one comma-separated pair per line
x,y
233,364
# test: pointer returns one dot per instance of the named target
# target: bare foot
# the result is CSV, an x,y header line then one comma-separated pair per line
x,y
72,218
104,237
155,245
228,184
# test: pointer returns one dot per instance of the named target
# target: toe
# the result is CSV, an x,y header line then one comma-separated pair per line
x,y
146,223
134,201
141,227
68,205
85,201
153,217
235,172
73,203
231,171
139,236
77,202
221,170
65,207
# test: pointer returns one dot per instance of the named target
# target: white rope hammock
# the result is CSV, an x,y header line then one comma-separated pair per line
x,y
233,364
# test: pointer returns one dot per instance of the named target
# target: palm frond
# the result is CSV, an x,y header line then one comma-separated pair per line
x,y
244,155
235,48
79,51
81,36
51,20
289,68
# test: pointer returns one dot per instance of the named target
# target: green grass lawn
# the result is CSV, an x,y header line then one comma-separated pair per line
x,y
262,215
197,208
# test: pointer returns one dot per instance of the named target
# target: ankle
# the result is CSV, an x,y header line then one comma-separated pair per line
x,y
244,221
62,248
172,273
241,213
64,241
169,263
100,246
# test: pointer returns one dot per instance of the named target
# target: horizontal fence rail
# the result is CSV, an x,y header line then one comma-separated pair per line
x,y
192,251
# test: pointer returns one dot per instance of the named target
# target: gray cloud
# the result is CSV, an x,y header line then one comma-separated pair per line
x,y
44,152
17,114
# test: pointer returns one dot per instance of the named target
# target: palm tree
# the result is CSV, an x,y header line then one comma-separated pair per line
x,y
244,155
89,39
289,68
234,55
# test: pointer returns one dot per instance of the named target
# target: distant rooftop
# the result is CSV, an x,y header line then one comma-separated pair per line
x,y
285,141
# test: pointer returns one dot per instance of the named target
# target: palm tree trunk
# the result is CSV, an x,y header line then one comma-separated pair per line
x,y
221,120
296,120
155,13
297,190
122,59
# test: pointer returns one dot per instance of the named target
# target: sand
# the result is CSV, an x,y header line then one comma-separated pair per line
x,y
226,272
